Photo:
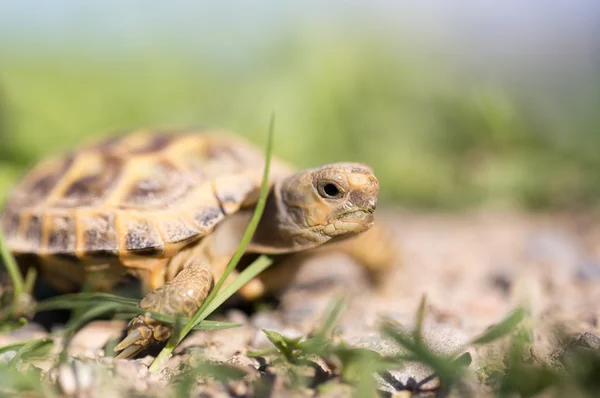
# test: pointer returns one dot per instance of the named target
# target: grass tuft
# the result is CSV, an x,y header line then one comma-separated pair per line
x,y
13,269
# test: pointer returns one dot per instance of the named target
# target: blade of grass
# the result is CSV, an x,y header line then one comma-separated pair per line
x,y
260,206
13,269
60,303
204,325
30,278
8,325
176,329
29,347
463,360
256,216
12,347
81,308
67,301
418,332
440,364
215,325
86,316
262,353
258,266
76,323
331,318
501,329
26,383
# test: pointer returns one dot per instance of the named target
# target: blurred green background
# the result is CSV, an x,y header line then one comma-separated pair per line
x,y
454,107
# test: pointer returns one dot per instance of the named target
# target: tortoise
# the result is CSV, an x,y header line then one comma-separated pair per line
x,y
170,208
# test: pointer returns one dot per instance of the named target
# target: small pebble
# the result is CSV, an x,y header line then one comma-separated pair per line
x,y
236,316
76,378
95,335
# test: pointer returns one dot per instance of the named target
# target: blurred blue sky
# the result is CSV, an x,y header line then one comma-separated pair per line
x,y
508,26
551,44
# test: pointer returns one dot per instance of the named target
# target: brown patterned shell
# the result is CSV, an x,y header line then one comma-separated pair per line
x,y
143,194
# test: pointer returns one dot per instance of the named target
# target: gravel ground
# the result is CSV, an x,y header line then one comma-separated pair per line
x,y
474,268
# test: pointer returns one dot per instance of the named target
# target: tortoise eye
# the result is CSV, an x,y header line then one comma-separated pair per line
x,y
330,190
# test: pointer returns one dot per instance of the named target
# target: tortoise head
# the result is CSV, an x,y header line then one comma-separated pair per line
x,y
333,201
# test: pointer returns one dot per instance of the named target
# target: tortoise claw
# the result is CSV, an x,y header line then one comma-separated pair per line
x,y
143,330
132,338
129,352
184,294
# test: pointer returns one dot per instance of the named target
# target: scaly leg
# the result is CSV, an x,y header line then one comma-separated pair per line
x,y
179,285
184,294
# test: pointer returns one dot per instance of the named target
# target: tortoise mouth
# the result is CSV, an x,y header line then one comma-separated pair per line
x,y
349,224
346,224
356,216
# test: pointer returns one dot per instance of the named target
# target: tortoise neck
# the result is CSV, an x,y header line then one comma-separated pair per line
x,y
277,233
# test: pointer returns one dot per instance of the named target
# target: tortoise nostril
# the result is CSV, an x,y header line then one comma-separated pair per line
x,y
372,205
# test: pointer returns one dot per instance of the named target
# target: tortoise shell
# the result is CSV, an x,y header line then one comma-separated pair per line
x,y
144,194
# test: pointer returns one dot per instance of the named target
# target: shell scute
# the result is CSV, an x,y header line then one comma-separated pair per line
x,y
232,191
95,176
33,232
141,237
178,230
10,223
208,217
156,143
99,234
159,185
61,234
39,183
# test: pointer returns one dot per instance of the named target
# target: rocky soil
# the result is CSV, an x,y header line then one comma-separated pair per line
x,y
474,268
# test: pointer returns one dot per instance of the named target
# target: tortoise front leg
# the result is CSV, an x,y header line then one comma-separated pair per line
x,y
184,294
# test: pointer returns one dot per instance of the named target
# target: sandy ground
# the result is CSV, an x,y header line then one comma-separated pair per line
x,y
474,268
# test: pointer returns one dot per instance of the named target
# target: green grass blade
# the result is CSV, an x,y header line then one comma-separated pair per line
x,y
23,383
131,310
205,369
216,325
207,307
501,329
442,365
12,268
12,347
90,314
175,329
258,266
30,278
256,216
204,325
8,325
78,322
68,301
315,345
29,348
78,310
331,318
262,353
418,332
